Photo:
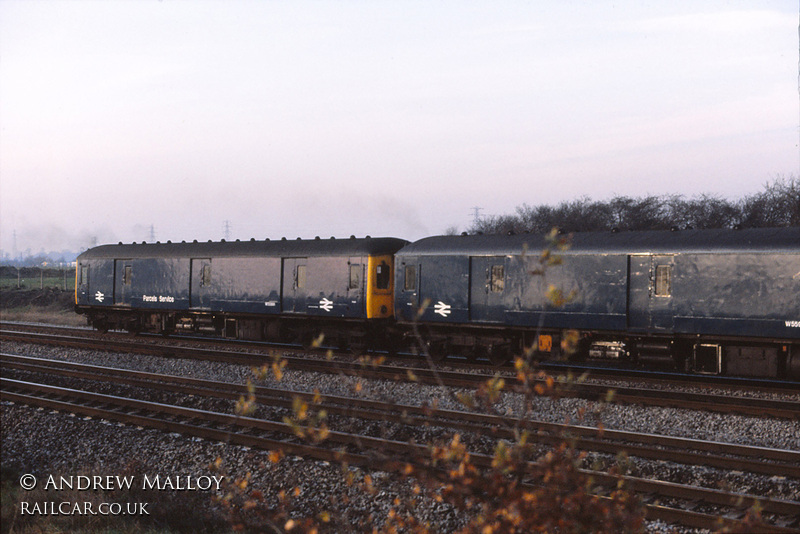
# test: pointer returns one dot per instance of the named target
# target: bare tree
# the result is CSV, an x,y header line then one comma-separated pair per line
x,y
777,205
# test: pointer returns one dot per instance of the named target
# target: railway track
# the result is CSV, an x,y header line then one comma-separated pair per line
x,y
761,460
386,455
597,370
663,378
725,403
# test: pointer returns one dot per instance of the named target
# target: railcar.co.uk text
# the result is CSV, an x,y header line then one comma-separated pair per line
x,y
108,483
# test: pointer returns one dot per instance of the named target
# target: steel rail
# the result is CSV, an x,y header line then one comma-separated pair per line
x,y
107,407
786,409
596,371
651,446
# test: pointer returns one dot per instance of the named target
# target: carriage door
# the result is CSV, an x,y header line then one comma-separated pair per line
x,y
650,292
355,288
82,285
407,278
200,287
123,278
661,316
487,288
294,285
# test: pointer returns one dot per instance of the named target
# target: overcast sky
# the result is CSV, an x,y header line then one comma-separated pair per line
x,y
394,118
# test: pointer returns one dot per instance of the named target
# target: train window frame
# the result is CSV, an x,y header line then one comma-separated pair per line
x,y
84,275
662,285
383,276
300,277
205,275
127,275
497,278
355,276
410,281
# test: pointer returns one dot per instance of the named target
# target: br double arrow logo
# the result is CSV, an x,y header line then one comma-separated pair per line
x,y
442,309
326,304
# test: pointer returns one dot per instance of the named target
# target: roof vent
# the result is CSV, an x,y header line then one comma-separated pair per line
x,y
169,242
283,239
252,239
464,233
119,243
316,238
352,237
333,237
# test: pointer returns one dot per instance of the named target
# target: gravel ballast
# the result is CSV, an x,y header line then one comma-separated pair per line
x,y
42,441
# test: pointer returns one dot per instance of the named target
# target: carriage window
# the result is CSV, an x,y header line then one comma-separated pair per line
x,y
206,275
355,276
663,280
127,276
84,275
410,283
498,281
300,277
382,276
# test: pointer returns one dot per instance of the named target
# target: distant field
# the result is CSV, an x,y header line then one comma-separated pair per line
x,y
36,278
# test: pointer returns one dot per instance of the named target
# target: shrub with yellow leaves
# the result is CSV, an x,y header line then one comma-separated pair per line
x,y
519,490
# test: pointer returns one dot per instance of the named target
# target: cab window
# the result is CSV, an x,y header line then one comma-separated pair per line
x,y
382,275
300,277
410,283
355,276
498,280
663,280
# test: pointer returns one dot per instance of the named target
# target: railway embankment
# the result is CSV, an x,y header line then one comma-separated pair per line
x,y
48,305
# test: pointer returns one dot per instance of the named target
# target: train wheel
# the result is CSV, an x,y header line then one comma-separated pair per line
x,y
390,343
357,347
478,352
436,350
499,355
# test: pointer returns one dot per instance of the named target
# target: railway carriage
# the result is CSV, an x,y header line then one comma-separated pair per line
x,y
708,301
279,290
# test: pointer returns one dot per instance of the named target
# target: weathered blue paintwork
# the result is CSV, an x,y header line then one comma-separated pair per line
x,y
722,282
254,277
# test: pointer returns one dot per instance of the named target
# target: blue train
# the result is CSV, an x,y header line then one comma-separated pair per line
x,y
705,301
